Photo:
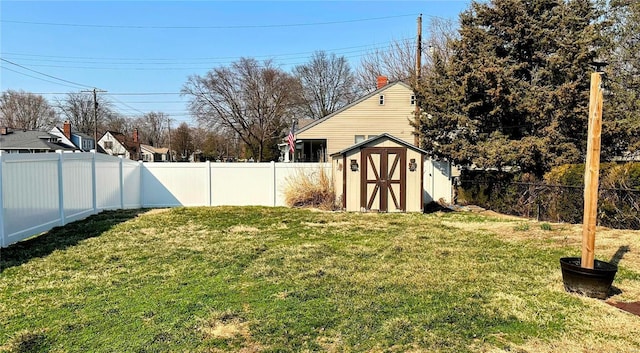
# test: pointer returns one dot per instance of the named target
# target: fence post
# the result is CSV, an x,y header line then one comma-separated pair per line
x,y
121,183
3,241
273,176
140,167
60,188
208,166
94,186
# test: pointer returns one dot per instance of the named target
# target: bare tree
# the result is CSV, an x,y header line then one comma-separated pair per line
x,y
327,84
442,32
118,123
78,108
153,128
398,61
24,110
182,142
255,100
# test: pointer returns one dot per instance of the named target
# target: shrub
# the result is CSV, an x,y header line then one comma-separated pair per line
x,y
310,189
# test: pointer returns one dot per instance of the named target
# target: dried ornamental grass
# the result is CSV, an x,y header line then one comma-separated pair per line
x,y
310,189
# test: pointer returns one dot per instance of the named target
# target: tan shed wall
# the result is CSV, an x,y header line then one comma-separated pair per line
x,y
367,118
414,184
353,182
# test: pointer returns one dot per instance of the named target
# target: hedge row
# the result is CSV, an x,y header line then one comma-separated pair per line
x,y
559,196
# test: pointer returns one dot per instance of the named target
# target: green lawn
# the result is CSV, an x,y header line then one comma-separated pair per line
x,y
255,279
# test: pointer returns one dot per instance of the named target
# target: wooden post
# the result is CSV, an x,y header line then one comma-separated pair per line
x,y
592,171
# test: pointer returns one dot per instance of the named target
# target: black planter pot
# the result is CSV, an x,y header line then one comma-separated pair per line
x,y
594,283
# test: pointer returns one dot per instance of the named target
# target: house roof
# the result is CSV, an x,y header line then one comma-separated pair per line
x,y
62,137
125,141
380,137
81,134
151,149
31,140
348,106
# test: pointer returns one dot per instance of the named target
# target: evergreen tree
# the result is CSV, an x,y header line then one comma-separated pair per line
x,y
621,131
515,92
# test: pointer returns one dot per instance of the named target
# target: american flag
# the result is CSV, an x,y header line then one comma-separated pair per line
x,y
291,139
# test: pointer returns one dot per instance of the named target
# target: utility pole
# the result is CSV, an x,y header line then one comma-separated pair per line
x,y
95,115
416,137
419,50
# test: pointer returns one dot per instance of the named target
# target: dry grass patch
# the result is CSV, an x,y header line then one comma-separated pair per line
x,y
310,189
251,279
243,229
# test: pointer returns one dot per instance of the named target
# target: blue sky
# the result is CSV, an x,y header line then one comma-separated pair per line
x,y
136,50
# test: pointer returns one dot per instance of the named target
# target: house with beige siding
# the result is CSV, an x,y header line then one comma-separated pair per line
x,y
389,109
371,145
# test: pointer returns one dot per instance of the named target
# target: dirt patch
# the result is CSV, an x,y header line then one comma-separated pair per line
x,y
157,211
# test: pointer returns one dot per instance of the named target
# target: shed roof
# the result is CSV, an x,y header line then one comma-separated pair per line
x,y
380,137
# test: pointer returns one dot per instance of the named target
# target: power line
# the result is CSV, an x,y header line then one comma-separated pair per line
x,y
43,74
207,59
124,65
41,79
203,27
368,46
120,94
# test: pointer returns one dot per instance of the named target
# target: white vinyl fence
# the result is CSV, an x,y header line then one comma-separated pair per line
x,y
41,191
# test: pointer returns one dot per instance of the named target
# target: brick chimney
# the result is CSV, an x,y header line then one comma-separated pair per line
x,y
135,135
66,129
382,81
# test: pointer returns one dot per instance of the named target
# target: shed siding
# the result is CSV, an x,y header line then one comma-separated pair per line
x,y
414,183
368,118
353,182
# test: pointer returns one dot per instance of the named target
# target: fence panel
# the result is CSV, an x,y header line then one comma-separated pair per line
x,y
30,195
131,186
77,185
246,184
108,183
175,184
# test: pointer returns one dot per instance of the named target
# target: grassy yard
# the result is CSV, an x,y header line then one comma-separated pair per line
x,y
254,279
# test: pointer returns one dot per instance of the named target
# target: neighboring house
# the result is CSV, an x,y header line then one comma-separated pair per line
x,y
389,109
376,164
117,144
77,139
30,141
154,154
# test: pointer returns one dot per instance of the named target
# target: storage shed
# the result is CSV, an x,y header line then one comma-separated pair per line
x,y
381,174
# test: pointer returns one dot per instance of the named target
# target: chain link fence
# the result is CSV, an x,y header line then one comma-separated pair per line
x,y
617,208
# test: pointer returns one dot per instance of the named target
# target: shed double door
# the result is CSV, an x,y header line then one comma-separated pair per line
x,y
383,180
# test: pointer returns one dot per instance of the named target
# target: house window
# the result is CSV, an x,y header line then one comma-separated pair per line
x,y
381,101
108,145
371,136
413,99
359,138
